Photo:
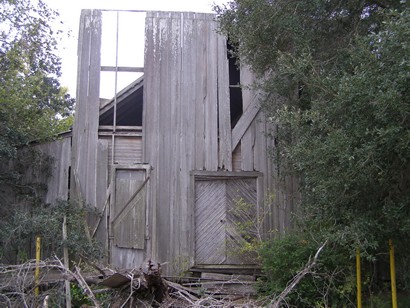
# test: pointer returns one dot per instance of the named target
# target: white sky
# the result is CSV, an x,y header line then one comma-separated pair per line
x,y
70,15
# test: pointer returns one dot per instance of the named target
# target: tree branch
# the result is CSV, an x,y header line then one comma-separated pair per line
x,y
296,279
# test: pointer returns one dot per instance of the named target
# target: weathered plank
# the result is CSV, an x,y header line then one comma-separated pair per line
x,y
211,101
200,76
186,133
248,138
85,129
57,182
151,123
237,159
102,184
175,111
225,135
245,121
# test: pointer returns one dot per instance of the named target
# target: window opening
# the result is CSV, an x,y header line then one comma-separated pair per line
x,y
235,90
129,107
121,76
69,182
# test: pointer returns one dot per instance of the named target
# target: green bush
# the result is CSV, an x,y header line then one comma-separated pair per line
x,y
331,283
18,232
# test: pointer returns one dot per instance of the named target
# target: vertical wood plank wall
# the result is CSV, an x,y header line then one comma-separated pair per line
x,y
186,125
85,128
57,183
59,151
180,123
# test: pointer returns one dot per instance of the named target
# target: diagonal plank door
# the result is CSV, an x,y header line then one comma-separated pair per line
x,y
241,200
210,215
129,209
217,219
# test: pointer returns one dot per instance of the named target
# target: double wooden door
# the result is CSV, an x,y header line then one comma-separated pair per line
x,y
225,210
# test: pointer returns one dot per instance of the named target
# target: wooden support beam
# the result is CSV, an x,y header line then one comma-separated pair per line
x,y
122,69
246,119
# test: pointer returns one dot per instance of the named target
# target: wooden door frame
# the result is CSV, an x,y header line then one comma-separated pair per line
x,y
219,175
137,167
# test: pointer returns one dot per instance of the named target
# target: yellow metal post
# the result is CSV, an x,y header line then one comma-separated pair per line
x,y
392,275
37,271
358,279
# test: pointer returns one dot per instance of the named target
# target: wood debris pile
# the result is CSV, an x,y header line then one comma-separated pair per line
x,y
143,287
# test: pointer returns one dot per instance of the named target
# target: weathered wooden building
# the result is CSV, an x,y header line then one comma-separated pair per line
x,y
168,157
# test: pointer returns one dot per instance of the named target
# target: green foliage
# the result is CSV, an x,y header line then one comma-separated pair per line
x,y
181,266
336,82
80,299
32,102
23,225
33,107
331,283
250,225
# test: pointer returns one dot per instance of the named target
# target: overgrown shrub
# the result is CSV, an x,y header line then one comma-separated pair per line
x,y
17,234
331,283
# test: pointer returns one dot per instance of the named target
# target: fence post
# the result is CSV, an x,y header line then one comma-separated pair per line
x,y
37,271
392,275
358,279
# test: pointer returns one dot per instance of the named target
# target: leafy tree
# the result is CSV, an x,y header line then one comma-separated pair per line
x,y
336,80
32,102
33,105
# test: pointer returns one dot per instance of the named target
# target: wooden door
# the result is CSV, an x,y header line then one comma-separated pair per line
x,y
220,219
129,209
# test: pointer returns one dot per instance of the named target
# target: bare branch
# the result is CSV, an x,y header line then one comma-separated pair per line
x,y
297,278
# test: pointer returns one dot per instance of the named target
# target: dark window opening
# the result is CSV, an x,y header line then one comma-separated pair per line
x,y
129,109
235,90
69,182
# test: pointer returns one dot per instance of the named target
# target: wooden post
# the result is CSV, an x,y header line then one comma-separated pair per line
x,y
392,275
66,264
37,271
358,279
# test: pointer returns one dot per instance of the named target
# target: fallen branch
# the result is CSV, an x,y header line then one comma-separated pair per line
x,y
17,281
184,291
296,279
86,289
81,282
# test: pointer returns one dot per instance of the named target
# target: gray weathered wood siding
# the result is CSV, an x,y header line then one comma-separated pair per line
x,y
57,183
57,153
128,149
186,129
186,126
85,128
180,123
